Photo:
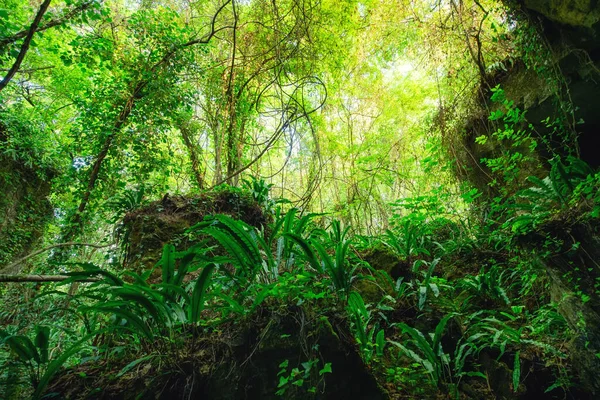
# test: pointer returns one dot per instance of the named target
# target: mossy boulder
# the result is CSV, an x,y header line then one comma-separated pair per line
x,y
382,258
149,228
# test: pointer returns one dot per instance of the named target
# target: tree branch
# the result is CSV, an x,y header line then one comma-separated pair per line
x,y
55,22
35,253
124,115
17,64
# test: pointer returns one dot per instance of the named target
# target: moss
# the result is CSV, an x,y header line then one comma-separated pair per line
x,y
24,209
382,258
372,290
584,13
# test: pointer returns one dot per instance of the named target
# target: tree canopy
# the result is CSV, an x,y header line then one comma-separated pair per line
x,y
172,166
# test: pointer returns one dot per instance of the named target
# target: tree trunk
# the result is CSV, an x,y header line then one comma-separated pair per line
x,y
188,140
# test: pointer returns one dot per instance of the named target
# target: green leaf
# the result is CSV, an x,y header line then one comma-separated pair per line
x,y
184,265
556,385
110,277
120,310
170,288
199,292
132,364
42,339
232,247
422,296
439,330
283,381
330,266
55,365
134,298
326,369
167,263
308,251
516,376
380,342
234,305
23,348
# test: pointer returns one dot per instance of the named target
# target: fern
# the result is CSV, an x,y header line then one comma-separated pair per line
x,y
197,304
284,226
360,319
428,353
125,202
240,241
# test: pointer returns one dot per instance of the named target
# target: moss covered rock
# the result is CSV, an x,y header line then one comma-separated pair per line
x,y
583,13
149,228
24,209
245,359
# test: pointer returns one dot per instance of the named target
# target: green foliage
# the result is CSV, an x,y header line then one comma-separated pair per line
x,y
409,242
242,244
371,340
150,310
428,283
487,284
563,188
517,142
297,378
125,202
259,189
427,352
96,116
197,303
494,330
336,267
34,356
288,224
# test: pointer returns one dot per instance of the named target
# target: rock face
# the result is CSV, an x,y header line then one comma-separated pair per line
x,y
572,28
242,360
574,276
584,13
561,90
24,209
564,88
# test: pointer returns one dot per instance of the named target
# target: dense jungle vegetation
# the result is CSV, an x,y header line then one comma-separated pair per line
x,y
299,199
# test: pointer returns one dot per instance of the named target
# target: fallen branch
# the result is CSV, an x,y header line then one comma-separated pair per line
x,y
42,278
35,253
